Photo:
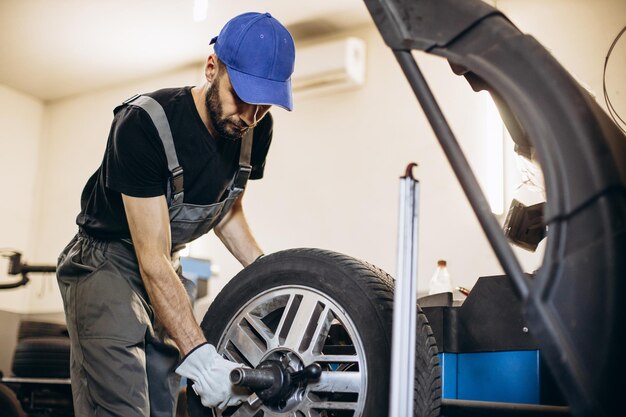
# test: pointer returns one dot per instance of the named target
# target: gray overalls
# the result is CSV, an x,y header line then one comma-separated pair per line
x,y
122,361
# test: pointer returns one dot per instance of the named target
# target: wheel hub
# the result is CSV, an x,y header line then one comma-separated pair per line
x,y
279,381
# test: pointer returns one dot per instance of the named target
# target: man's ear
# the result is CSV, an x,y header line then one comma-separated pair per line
x,y
211,68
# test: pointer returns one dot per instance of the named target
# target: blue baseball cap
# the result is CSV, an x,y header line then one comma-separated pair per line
x,y
259,55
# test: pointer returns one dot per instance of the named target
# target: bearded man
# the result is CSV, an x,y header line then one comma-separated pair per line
x,y
176,165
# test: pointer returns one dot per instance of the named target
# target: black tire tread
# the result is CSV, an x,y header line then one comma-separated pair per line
x,y
44,357
371,279
33,329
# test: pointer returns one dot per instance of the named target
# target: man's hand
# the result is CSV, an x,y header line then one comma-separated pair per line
x,y
210,374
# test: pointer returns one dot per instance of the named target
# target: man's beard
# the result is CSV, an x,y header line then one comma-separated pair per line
x,y
224,126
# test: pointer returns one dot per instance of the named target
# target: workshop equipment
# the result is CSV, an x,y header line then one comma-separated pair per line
x,y
573,303
17,267
272,381
404,301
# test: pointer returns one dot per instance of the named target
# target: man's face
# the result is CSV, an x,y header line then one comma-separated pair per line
x,y
229,115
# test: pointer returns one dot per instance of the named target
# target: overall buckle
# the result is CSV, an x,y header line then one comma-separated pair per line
x,y
176,180
242,176
131,99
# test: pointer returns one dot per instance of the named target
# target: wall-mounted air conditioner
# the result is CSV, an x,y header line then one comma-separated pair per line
x,y
329,67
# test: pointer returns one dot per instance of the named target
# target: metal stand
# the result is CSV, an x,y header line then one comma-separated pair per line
x,y
405,300
16,267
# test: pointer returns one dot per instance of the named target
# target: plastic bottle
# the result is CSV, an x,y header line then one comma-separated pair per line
x,y
440,282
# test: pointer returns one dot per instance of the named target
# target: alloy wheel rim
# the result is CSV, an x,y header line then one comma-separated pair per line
x,y
308,326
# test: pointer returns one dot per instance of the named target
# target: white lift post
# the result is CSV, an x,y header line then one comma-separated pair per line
x,y
405,300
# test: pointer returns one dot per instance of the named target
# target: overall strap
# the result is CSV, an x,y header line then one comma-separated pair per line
x,y
175,191
243,173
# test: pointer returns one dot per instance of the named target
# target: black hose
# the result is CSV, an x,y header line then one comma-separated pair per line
x,y
15,284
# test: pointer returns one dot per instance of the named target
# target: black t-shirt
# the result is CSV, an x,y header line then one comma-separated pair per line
x,y
135,163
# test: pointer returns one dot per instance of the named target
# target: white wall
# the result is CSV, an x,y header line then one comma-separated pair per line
x,y
344,152
578,33
332,173
21,119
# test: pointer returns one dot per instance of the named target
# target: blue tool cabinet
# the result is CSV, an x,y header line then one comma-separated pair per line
x,y
486,350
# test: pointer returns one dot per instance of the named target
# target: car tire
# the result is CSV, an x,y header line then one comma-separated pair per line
x,y
347,306
45,357
35,329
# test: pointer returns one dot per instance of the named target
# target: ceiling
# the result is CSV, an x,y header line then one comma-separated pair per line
x,y
52,49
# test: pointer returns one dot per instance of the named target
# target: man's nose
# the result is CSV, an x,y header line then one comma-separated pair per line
x,y
248,114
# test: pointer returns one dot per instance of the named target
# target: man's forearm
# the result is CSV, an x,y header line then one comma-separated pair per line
x,y
148,221
236,235
171,304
